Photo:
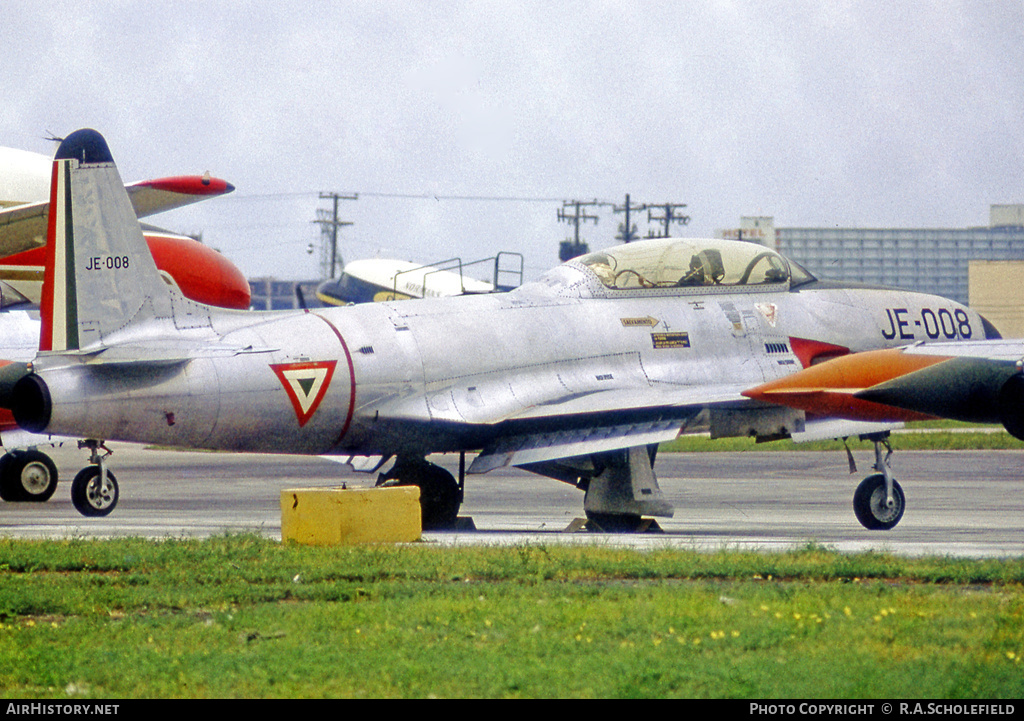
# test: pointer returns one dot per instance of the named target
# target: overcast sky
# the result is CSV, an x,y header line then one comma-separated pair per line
x,y
894,113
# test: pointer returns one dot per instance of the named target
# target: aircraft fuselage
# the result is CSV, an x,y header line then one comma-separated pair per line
x,y
449,374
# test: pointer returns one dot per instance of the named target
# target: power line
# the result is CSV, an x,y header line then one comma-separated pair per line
x,y
569,249
406,196
668,217
627,232
484,198
329,224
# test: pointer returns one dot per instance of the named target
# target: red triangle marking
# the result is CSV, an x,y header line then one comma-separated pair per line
x,y
306,385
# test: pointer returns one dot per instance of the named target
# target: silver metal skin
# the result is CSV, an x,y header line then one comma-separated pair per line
x,y
576,375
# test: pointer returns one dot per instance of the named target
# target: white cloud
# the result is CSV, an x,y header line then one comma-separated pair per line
x,y
855,112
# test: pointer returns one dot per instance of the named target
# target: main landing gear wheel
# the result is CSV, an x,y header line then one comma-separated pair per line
x,y
27,476
440,496
613,522
871,508
91,494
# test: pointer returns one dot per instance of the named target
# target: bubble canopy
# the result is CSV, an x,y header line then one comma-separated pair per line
x,y
692,262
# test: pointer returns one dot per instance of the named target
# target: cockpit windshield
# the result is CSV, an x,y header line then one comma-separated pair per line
x,y
689,263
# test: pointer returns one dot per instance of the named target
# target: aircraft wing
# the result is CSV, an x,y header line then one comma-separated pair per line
x,y
567,425
156,196
23,227
529,448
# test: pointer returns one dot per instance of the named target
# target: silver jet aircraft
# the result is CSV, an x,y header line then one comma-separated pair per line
x,y
577,376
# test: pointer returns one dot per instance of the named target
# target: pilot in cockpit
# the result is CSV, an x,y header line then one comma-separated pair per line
x,y
706,267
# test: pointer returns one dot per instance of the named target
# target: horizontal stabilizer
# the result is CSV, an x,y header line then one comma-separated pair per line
x,y
142,354
156,196
22,227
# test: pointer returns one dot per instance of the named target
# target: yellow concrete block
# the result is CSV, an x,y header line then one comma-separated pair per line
x,y
337,516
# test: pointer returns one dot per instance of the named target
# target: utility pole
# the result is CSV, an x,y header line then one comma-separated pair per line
x,y
668,217
627,232
329,224
569,249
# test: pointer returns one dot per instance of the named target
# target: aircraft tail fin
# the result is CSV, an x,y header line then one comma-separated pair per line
x,y
100,277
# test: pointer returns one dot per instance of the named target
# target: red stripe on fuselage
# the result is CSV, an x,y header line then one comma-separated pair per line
x,y
351,375
46,301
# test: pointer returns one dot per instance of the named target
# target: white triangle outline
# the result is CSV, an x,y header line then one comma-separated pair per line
x,y
294,375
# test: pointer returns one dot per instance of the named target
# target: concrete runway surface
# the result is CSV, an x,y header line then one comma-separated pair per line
x,y
966,504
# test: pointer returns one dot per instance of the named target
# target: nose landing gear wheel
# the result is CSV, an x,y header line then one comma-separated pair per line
x,y
870,507
91,495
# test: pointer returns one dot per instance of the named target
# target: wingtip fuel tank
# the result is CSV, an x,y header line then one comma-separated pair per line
x,y
972,389
832,388
943,380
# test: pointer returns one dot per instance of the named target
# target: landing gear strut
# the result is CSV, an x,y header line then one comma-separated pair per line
x,y
879,502
94,490
624,491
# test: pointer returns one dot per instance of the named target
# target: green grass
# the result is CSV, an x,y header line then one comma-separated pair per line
x,y
918,436
242,616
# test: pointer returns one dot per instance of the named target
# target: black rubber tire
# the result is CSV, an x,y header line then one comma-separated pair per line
x,y
440,497
613,522
869,504
88,498
27,476
8,489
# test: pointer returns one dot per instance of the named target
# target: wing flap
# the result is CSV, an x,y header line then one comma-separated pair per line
x,y
639,400
517,450
834,428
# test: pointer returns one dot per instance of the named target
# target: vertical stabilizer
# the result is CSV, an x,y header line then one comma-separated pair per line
x,y
100,277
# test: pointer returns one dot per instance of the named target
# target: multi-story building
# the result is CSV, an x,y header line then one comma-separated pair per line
x,y
930,260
